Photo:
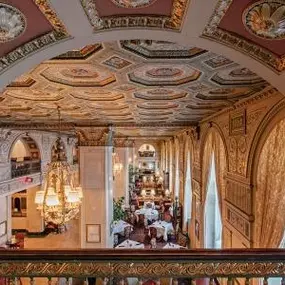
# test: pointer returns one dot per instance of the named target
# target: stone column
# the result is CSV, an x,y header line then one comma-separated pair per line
x,y
127,178
35,223
170,166
120,178
109,194
96,179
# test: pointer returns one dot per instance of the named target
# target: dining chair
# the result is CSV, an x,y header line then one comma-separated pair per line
x,y
153,232
127,232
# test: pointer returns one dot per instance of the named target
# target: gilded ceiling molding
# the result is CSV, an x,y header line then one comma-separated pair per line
x,y
213,32
57,34
265,93
133,4
174,22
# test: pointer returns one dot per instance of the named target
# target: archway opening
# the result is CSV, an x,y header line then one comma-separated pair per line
x,y
212,216
25,157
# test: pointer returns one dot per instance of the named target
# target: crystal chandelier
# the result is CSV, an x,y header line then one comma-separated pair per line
x,y
59,200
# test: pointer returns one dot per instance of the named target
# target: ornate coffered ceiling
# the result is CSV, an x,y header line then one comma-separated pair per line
x,y
139,93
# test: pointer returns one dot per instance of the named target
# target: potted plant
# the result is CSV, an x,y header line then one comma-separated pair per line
x,y
118,209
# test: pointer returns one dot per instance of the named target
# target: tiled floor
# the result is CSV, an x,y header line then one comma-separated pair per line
x,y
67,240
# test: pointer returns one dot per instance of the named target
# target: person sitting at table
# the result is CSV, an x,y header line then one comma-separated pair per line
x,y
167,217
153,243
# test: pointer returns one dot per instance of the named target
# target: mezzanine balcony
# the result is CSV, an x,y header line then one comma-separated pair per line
x,y
160,266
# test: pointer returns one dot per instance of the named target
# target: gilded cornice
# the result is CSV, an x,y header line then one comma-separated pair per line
x,y
174,22
213,32
265,93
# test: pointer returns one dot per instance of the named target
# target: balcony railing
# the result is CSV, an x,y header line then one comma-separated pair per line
x,y
25,168
146,153
190,265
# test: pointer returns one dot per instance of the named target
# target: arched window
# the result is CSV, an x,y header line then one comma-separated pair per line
x,y
147,150
187,194
212,218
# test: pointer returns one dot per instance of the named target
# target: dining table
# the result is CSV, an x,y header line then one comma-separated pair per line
x,y
171,245
163,228
119,227
130,244
150,214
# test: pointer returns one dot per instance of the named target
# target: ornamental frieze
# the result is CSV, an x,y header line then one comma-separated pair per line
x,y
143,269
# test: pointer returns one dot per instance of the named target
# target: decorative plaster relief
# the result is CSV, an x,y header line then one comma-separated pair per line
x,y
160,94
133,3
215,33
12,23
196,187
238,222
237,123
164,74
266,19
174,22
73,75
238,147
116,62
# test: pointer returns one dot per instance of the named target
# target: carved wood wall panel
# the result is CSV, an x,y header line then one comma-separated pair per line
x,y
239,195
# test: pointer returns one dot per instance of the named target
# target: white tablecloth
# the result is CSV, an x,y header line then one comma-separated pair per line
x,y
119,226
163,228
145,205
150,214
130,244
171,245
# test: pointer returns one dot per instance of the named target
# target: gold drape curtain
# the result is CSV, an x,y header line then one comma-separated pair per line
x,y
207,155
215,145
270,190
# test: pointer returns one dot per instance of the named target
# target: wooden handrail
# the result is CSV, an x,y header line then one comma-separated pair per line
x,y
269,254
234,263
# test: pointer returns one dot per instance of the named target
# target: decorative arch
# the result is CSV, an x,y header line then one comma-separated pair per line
x,y
258,155
275,115
18,136
26,158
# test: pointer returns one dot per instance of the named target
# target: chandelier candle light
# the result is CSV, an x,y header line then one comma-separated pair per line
x,y
59,200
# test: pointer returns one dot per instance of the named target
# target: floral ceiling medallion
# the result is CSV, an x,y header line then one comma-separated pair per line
x,y
133,3
266,19
12,23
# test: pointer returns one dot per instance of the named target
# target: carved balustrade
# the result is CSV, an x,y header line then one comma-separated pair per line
x,y
190,266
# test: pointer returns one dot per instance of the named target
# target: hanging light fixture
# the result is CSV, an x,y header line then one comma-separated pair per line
x,y
59,200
